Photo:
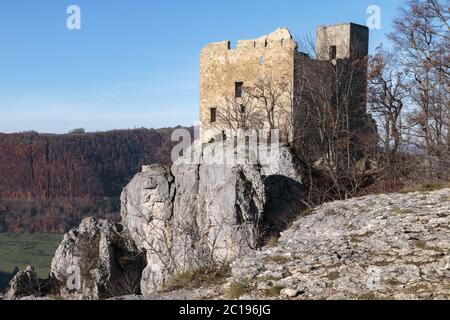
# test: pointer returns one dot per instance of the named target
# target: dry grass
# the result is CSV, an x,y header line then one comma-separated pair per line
x,y
273,291
357,238
237,289
426,186
272,241
417,289
368,296
423,245
308,212
392,282
197,279
402,211
333,275
277,259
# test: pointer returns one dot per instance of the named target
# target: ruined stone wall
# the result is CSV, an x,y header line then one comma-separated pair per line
x,y
328,36
359,38
352,49
351,41
222,66
275,56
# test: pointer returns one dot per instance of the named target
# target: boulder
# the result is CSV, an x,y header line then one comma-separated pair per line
x,y
202,215
24,283
211,218
95,261
288,293
196,215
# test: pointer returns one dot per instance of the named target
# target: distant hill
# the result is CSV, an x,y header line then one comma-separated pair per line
x,y
49,182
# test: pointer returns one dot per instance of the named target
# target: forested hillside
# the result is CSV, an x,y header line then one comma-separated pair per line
x,y
48,183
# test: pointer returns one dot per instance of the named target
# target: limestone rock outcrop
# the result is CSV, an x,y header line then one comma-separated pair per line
x,y
24,283
394,246
96,261
200,215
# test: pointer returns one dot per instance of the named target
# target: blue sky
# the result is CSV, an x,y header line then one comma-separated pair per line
x,y
135,63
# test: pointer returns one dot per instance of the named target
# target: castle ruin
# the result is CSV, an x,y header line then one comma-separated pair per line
x,y
226,72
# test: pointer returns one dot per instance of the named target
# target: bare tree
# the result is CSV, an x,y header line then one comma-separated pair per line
x,y
421,38
422,33
128,284
332,120
265,104
274,100
179,245
387,97
239,113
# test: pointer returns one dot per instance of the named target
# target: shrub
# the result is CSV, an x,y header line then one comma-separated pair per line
x,y
237,289
277,259
195,279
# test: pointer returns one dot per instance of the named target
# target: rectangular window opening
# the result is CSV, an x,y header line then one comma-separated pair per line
x,y
239,89
333,52
213,115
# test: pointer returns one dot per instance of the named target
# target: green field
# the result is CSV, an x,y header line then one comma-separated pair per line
x,y
28,249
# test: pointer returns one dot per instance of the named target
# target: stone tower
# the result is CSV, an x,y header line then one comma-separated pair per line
x,y
224,70
347,44
342,41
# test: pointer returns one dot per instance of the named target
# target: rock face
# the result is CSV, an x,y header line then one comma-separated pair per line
x,y
377,247
95,261
194,216
199,215
24,283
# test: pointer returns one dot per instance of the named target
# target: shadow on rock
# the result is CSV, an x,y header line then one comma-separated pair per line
x,y
283,204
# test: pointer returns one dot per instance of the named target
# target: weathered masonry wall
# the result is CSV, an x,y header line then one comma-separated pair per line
x,y
275,57
221,67
351,41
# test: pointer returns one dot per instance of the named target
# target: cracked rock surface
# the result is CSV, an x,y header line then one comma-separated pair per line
x,y
202,215
394,246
